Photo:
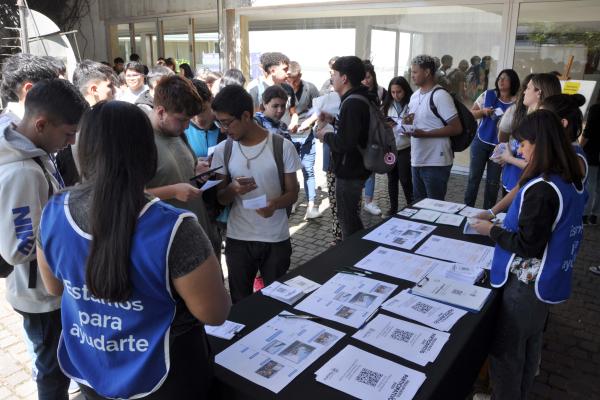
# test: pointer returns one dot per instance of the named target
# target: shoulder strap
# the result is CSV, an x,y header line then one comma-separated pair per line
x,y
227,156
278,154
433,107
39,162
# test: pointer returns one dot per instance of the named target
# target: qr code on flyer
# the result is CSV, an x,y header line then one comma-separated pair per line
x,y
402,336
422,307
369,377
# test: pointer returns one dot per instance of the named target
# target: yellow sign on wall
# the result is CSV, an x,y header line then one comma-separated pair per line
x,y
571,87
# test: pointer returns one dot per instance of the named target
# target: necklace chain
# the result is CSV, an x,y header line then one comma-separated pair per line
x,y
248,159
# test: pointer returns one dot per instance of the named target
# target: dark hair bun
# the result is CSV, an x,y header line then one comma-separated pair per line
x,y
578,99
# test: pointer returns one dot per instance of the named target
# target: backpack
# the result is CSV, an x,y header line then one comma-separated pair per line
x,y
277,153
380,154
461,141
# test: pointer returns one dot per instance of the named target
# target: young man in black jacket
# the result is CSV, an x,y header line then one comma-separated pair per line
x,y
351,132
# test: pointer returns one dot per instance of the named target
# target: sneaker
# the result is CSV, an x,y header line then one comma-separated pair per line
x,y
312,212
595,270
372,208
293,208
586,220
593,220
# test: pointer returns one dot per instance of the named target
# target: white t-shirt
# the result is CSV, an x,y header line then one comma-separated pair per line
x,y
431,152
130,97
244,224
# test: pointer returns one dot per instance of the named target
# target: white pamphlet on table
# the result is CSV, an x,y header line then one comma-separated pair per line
x,y
440,205
282,292
413,342
407,212
348,299
468,229
210,184
427,215
429,312
453,292
367,376
225,331
470,212
462,272
400,233
255,203
458,251
402,265
450,219
302,283
278,351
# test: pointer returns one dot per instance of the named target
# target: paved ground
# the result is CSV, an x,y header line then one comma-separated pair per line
x,y
570,366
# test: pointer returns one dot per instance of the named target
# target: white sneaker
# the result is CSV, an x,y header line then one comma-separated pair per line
x,y
293,208
372,208
312,212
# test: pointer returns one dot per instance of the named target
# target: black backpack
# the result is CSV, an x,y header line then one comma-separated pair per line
x,y
463,140
380,154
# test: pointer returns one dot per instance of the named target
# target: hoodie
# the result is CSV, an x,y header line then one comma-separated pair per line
x,y
23,194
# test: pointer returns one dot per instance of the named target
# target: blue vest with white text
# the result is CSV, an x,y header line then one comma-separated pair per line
x,y
121,350
581,154
511,173
488,128
553,283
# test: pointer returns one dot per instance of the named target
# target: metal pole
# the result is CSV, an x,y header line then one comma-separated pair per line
x,y
23,21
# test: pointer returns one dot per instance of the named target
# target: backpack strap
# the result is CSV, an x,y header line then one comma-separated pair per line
x,y
433,107
227,157
278,155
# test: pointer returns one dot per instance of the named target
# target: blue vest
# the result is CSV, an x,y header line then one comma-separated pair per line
x,y
488,128
121,350
200,139
553,283
511,173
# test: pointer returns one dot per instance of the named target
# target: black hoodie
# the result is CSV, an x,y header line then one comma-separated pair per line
x,y
352,130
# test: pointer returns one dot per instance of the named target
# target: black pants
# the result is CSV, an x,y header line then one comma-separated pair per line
x,y
191,373
402,172
245,258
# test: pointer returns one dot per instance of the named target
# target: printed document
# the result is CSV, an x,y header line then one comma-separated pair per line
x,y
278,351
400,233
407,212
348,299
458,251
304,284
367,376
450,291
255,203
226,331
426,215
413,342
402,265
210,184
282,292
440,205
431,313
450,219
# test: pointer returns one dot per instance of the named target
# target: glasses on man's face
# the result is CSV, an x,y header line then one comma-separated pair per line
x,y
224,124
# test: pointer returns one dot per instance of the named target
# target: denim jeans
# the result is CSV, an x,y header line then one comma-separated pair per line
x,y
430,182
245,258
308,153
592,207
370,186
347,196
402,172
480,157
43,330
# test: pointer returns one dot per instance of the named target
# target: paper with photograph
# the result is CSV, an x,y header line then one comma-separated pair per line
x,y
440,205
400,233
225,331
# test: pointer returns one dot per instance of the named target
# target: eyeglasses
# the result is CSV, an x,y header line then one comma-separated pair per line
x,y
224,124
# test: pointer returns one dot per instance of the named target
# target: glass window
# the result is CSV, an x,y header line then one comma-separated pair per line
x,y
124,42
145,42
206,42
177,43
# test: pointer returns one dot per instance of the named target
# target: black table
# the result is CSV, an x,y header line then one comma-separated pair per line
x,y
452,374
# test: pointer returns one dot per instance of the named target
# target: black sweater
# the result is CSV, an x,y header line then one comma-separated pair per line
x,y
352,130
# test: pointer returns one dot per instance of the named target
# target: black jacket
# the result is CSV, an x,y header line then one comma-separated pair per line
x,y
352,130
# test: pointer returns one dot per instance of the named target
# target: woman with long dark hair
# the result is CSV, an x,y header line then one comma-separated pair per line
x,y
395,106
535,250
488,108
186,71
139,276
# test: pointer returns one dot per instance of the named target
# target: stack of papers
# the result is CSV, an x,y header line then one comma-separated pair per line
x,y
458,251
407,212
367,376
431,313
348,299
226,331
470,211
282,292
440,205
402,265
278,351
302,283
400,233
426,215
449,291
464,273
413,342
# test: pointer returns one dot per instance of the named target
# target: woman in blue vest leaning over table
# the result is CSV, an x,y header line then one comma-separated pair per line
x,y
535,250
138,277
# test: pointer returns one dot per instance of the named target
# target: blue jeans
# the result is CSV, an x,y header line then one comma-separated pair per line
x,y
347,197
308,154
370,186
480,157
43,330
431,182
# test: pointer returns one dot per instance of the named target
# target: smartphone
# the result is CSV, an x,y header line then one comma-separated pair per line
x,y
390,119
209,172
245,180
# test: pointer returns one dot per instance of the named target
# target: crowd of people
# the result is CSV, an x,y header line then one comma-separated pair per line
x,y
110,239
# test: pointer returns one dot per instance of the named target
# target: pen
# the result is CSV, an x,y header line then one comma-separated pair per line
x,y
299,316
345,271
370,317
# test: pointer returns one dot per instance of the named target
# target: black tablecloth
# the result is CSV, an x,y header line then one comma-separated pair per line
x,y
452,374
